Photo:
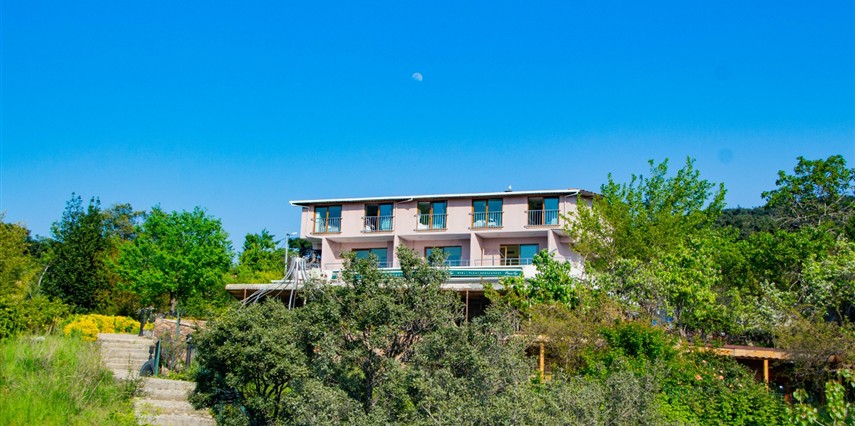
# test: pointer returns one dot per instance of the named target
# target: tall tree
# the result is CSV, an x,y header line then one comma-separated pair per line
x,y
175,256
76,269
261,260
646,218
819,192
17,266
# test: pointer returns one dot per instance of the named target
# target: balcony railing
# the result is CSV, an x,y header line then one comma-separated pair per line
x,y
513,261
432,221
543,217
338,265
330,225
486,220
377,223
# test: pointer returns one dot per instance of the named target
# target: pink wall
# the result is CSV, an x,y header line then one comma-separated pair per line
x,y
475,246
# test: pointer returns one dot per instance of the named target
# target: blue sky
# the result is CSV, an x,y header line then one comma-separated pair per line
x,y
240,108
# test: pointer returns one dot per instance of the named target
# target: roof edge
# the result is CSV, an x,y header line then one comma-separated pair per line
x,y
569,191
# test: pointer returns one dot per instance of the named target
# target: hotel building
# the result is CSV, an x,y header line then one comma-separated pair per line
x,y
485,236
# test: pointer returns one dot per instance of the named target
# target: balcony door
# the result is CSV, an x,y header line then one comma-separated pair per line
x,y
487,213
432,215
543,211
328,219
518,254
378,217
379,253
453,254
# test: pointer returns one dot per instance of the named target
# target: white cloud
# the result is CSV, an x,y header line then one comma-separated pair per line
x,y
418,76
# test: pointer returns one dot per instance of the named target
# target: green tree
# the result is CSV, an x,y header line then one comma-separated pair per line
x,y
250,357
819,192
175,257
261,260
829,284
376,320
301,245
17,266
646,218
76,269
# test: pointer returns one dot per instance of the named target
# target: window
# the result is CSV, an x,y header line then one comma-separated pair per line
x,y
543,211
378,217
487,213
518,254
453,254
380,253
432,215
327,219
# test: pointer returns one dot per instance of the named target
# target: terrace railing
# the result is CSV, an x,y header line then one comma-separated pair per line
x,y
543,217
330,225
432,221
377,223
486,220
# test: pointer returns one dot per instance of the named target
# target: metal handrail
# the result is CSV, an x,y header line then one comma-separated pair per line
x,y
486,220
503,262
330,225
543,217
432,221
378,223
331,266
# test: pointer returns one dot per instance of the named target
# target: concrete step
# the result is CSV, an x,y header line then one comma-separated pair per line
x,y
126,346
164,406
125,373
125,366
176,420
122,338
127,360
167,394
154,384
124,355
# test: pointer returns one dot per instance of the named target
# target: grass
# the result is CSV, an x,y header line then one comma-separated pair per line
x,y
59,380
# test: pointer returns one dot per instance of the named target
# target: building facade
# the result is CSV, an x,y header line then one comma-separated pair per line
x,y
499,231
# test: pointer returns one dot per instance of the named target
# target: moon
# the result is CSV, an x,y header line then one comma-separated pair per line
x,y
418,76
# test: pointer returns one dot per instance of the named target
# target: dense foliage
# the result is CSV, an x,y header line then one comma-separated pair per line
x,y
260,261
178,257
669,269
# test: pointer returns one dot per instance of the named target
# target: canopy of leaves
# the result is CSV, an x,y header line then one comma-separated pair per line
x,y
175,257
260,261
17,266
647,217
820,192
76,272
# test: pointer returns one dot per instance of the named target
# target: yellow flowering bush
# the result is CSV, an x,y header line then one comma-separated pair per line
x,y
88,326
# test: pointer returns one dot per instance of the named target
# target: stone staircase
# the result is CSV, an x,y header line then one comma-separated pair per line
x,y
161,401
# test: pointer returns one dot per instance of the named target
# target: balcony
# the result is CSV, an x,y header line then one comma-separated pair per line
x,y
481,220
377,224
515,261
543,217
432,222
330,225
338,265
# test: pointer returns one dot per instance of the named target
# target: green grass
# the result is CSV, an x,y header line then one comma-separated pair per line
x,y
59,380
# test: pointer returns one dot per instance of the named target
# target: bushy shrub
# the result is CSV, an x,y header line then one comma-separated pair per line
x,y
88,326
35,315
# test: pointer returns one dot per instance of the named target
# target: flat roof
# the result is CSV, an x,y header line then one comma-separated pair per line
x,y
568,191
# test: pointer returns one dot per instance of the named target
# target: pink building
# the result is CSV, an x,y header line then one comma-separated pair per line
x,y
481,231
485,237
